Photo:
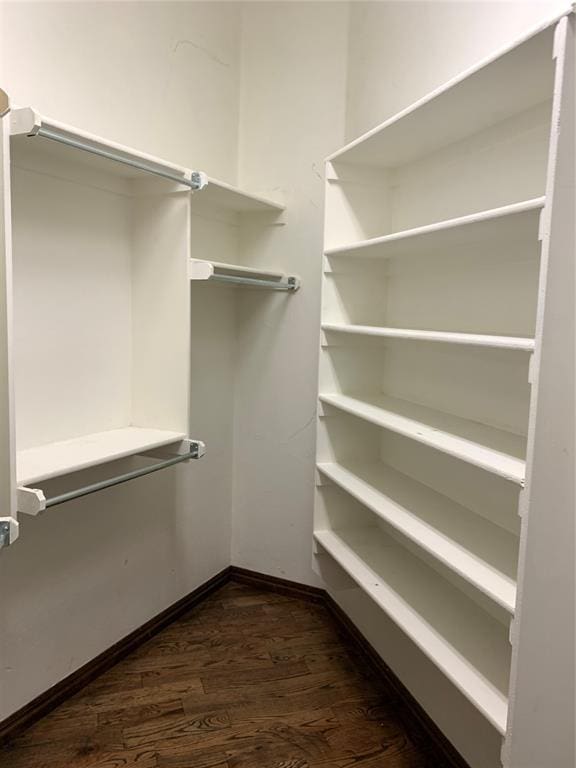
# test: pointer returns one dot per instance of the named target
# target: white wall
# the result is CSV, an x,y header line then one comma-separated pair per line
x,y
158,76
292,116
400,51
163,77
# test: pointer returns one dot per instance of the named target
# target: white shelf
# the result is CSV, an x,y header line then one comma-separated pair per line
x,y
509,223
479,551
466,339
513,81
491,449
61,142
466,644
223,195
61,458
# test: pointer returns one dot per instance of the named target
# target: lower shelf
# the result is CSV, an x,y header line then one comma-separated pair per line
x,y
465,643
56,459
479,551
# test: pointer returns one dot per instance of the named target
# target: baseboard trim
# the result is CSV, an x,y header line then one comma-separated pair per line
x,y
276,584
421,728
39,707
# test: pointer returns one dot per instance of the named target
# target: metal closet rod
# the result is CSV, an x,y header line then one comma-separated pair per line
x,y
194,453
287,284
195,182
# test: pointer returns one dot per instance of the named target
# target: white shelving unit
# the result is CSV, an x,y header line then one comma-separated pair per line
x,y
436,305
224,219
103,240
101,301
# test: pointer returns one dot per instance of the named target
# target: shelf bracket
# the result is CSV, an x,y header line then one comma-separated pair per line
x,y
8,531
198,181
32,501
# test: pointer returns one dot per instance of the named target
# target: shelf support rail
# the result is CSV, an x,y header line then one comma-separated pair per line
x,y
31,501
285,284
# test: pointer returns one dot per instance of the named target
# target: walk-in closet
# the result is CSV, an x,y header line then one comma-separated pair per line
x,y
287,384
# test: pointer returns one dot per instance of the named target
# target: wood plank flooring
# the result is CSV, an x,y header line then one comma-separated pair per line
x,y
248,679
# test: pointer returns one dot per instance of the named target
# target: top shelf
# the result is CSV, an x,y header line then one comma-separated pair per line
x,y
58,141
61,142
513,81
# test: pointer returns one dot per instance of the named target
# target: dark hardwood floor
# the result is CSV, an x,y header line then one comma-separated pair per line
x,y
248,679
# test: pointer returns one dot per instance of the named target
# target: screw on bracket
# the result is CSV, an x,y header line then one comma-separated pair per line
x,y
198,180
4,534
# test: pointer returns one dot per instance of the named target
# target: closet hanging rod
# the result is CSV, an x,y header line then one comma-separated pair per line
x,y
32,500
26,121
286,284
195,181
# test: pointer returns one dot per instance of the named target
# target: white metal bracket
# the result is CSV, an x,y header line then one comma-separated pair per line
x,y
31,501
9,530
24,121
199,180
196,448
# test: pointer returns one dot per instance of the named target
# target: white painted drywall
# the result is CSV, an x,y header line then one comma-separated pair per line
x,y
163,77
292,116
400,51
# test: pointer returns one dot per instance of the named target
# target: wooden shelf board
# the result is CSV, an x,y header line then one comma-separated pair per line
x,y
466,339
512,81
470,647
61,458
509,223
491,449
223,195
479,551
